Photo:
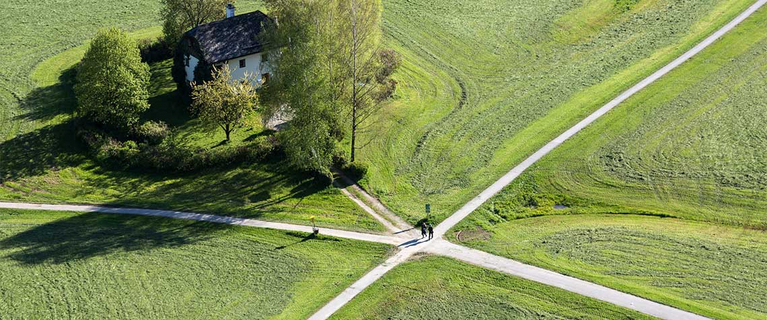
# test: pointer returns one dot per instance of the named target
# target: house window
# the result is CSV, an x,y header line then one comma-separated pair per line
x,y
242,63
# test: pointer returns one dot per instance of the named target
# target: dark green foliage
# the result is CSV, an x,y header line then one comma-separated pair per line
x,y
168,156
356,170
112,81
155,50
180,16
203,72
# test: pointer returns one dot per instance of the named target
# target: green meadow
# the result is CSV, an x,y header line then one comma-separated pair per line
x,y
716,271
690,146
67,265
682,163
486,83
442,288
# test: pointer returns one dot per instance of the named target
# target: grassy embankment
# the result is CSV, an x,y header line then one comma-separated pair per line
x,y
442,288
66,265
487,83
42,161
691,146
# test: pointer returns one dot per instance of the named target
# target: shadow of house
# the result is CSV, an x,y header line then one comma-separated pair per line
x,y
94,234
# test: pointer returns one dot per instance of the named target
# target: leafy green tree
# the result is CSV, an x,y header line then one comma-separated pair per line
x,y
330,68
224,102
307,80
179,16
112,81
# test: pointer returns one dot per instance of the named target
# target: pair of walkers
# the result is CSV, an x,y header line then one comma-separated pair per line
x,y
427,227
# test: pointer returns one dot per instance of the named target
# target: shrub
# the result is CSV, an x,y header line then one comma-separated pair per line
x,y
151,132
356,170
168,156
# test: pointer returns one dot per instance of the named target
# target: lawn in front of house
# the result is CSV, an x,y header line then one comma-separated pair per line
x,y
91,265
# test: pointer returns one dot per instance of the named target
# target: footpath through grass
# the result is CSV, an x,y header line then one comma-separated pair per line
x,y
443,288
486,83
66,265
42,161
693,146
715,271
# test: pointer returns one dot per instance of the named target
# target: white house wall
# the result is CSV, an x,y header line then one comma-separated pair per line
x,y
253,68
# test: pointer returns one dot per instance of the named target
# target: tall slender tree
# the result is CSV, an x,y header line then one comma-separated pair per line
x,y
326,73
368,67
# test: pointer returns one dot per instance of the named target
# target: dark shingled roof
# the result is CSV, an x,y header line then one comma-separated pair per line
x,y
230,38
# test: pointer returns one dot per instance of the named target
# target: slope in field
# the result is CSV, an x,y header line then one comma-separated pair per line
x,y
523,72
693,145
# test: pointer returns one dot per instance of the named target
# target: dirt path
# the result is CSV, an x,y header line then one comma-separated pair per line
x,y
374,207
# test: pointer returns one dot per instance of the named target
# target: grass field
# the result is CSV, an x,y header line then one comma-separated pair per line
x,y
65,265
488,82
442,288
42,161
692,146
716,271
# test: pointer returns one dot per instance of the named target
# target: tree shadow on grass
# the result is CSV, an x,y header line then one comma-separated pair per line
x,y
48,102
34,153
304,238
94,234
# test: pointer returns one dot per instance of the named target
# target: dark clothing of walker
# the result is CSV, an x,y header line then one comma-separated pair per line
x,y
423,231
431,232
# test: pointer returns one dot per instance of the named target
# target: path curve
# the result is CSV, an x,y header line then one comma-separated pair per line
x,y
496,187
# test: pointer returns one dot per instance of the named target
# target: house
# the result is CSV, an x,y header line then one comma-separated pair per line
x,y
232,41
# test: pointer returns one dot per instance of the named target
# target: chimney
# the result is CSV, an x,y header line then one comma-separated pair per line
x,y
229,10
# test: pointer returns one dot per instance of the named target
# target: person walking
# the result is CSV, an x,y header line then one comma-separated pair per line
x,y
431,232
423,230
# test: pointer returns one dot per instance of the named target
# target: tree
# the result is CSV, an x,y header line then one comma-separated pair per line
x,y
112,81
180,16
224,102
327,69
306,80
368,67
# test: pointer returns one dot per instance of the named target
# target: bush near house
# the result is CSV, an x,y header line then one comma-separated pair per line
x,y
112,81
